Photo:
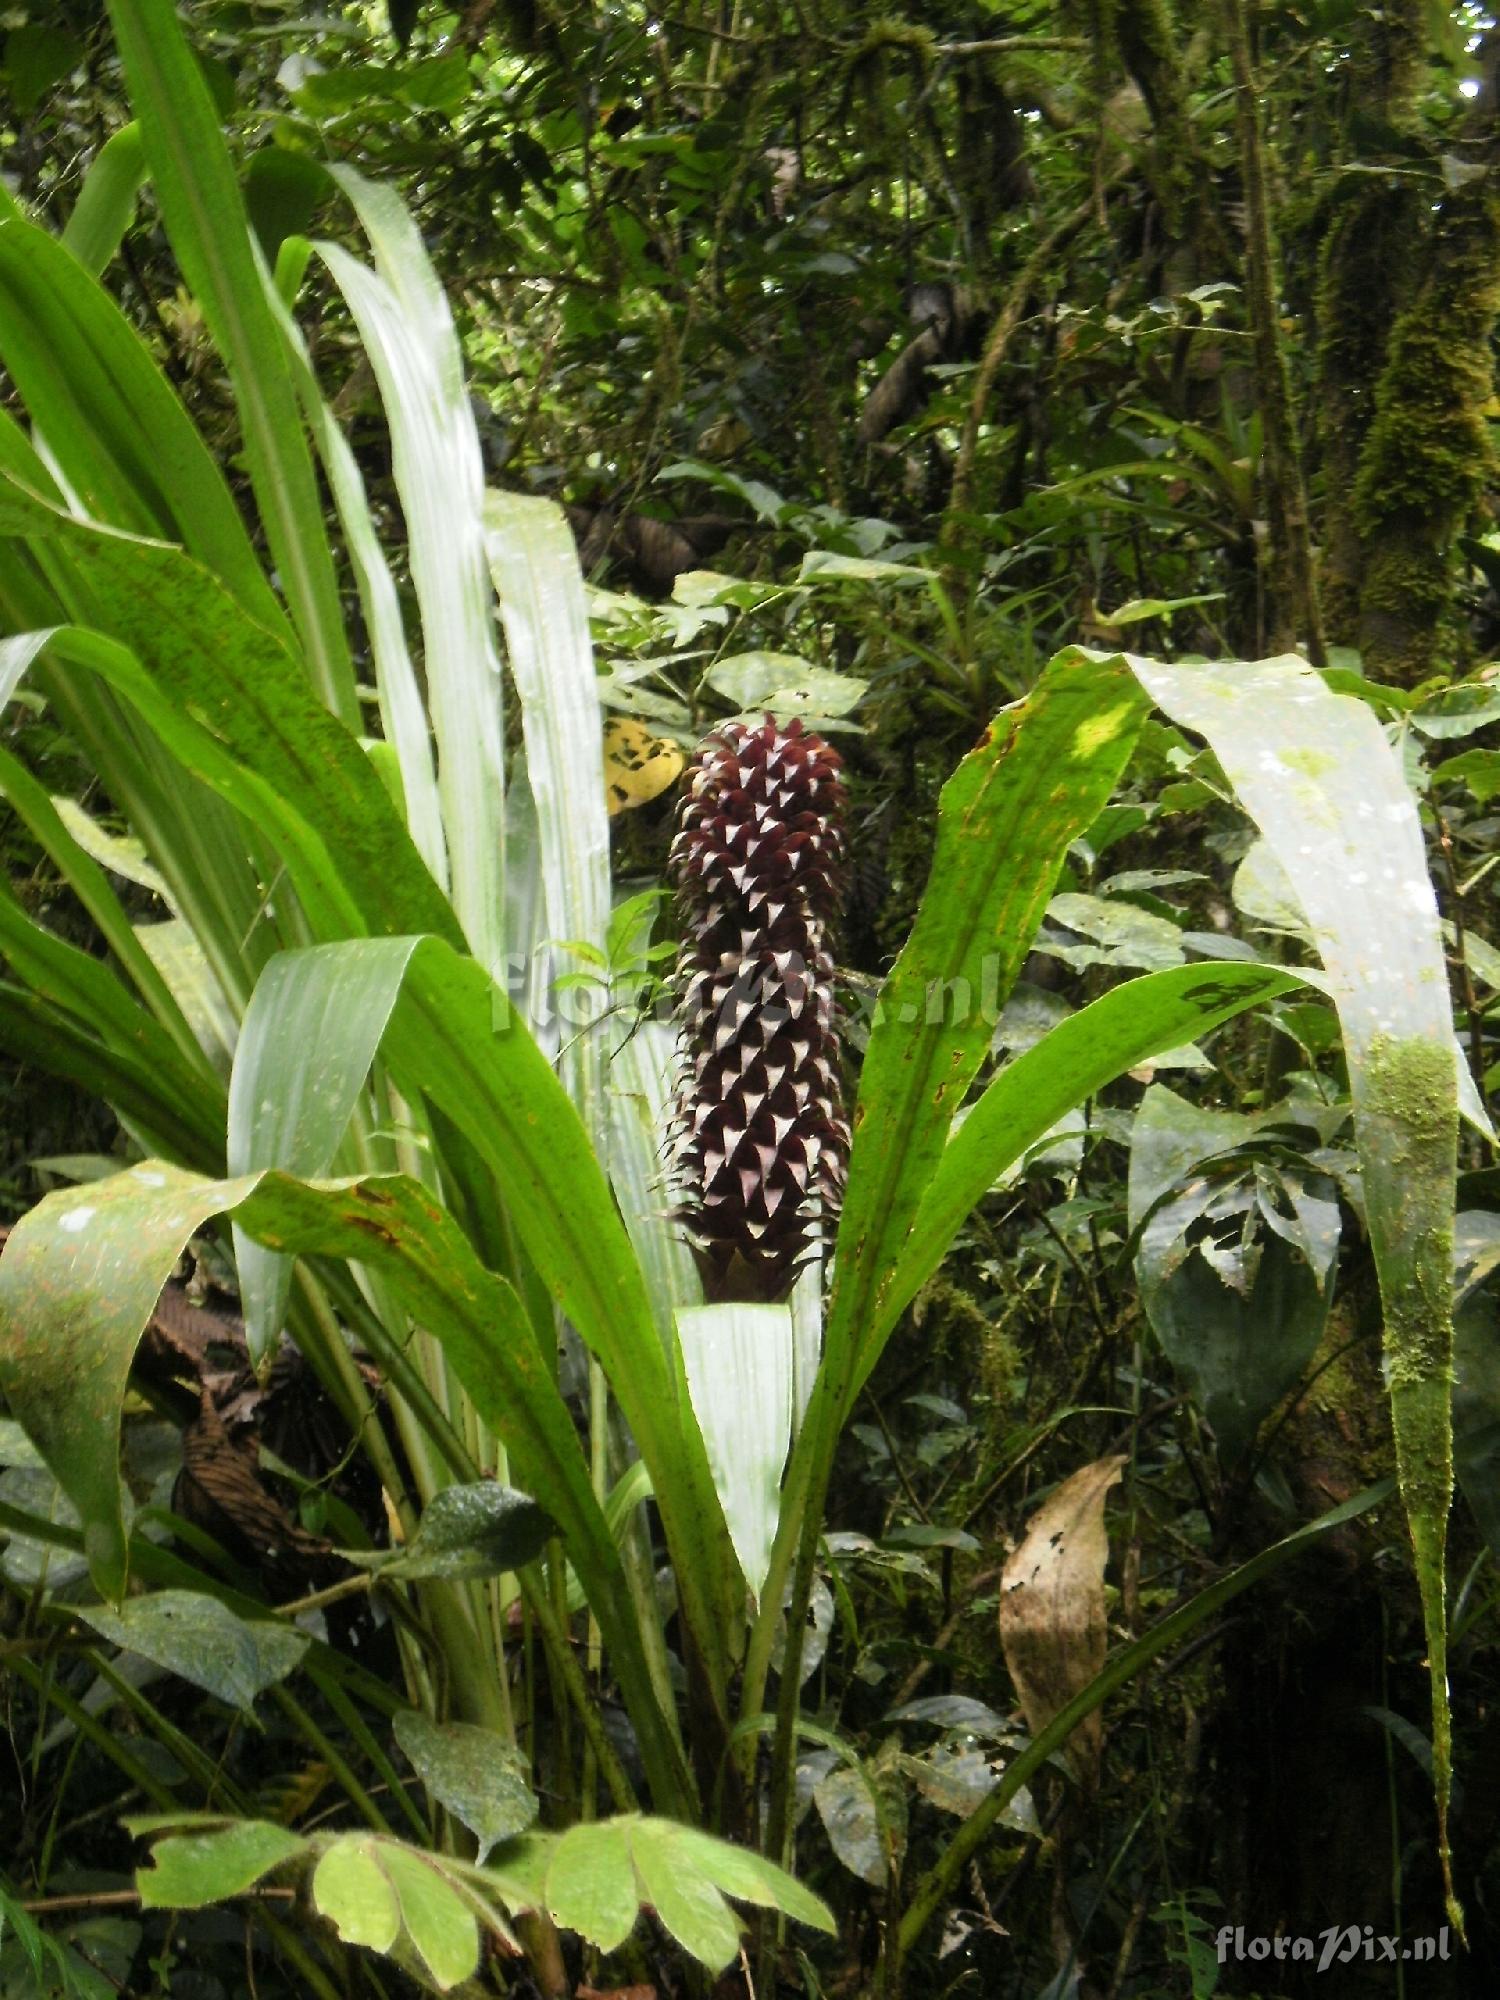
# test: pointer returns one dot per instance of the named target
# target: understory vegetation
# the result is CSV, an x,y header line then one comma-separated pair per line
x,y
523,1468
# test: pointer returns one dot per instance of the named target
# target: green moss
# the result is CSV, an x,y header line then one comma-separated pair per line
x,y
1366,268
1427,455
1407,1133
1149,43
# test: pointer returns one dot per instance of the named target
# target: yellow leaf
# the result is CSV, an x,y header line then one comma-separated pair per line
x,y
638,766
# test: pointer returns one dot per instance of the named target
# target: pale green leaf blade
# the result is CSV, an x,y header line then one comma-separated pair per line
x,y
439,1923
534,567
638,1088
750,1878
684,1898
784,685
202,1641
738,1362
310,1034
191,1870
475,1773
413,347
179,961
591,1885
402,715
353,1891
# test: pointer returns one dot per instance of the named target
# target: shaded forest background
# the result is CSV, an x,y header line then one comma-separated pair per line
x,y
1035,323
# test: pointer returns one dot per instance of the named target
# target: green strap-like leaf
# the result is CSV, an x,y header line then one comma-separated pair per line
x,y
1039,777
205,217
403,719
534,564
1070,1064
413,347
105,207
113,423
90,884
248,695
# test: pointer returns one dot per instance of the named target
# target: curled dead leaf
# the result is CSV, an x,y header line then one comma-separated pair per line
x,y
1052,1626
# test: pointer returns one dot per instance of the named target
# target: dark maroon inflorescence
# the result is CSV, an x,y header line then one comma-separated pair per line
x,y
759,1142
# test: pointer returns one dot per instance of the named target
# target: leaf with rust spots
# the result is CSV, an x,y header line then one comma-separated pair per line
x,y
1052,1626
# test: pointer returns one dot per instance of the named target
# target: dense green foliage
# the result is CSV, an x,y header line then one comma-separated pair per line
x,y
419,426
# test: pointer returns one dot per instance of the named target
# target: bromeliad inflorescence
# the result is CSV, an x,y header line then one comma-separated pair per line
x,y
759,1142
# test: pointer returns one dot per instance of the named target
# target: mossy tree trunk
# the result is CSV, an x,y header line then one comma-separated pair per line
x,y
1427,454
1367,265
1290,592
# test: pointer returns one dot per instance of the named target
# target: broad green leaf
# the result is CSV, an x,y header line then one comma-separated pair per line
x,y
436,1918
476,1774
412,345
191,1870
826,566
1316,772
202,1641
590,1883
533,562
1240,1345
105,207
784,684
738,1362
593,1878
205,219
476,1530
685,1901
1123,934
81,1274
1140,608
749,1877
846,1806
310,1034
353,1891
